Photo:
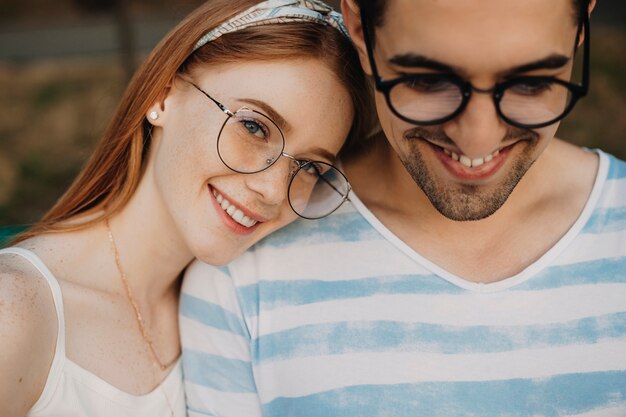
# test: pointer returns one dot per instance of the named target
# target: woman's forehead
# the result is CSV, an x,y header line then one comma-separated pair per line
x,y
304,93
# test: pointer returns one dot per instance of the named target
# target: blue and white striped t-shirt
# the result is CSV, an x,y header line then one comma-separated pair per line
x,y
339,318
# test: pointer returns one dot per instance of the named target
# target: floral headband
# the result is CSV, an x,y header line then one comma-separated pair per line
x,y
278,11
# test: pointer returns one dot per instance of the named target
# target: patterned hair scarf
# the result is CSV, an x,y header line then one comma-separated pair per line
x,y
278,11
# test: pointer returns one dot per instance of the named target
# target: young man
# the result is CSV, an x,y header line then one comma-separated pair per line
x,y
479,268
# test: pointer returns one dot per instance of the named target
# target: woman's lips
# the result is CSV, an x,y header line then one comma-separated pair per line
x,y
237,218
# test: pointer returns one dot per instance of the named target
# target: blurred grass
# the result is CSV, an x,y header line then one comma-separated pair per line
x,y
599,120
52,115
54,112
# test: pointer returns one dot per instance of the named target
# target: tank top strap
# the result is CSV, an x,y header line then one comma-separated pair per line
x,y
56,369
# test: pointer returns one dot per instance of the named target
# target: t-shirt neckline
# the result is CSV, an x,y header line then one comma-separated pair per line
x,y
544,261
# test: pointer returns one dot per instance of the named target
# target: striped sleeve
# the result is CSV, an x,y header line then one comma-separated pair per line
x,y
216,346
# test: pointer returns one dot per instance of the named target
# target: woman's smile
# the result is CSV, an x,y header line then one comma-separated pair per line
x,y
238,218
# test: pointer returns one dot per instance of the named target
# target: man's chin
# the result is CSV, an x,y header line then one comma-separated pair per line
x,y
466,212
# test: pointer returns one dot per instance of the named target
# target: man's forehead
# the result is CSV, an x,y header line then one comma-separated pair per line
x,y
458,32
473,8
475,17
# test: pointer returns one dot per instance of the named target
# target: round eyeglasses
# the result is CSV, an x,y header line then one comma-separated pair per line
x,y
525,102
529,102
249,142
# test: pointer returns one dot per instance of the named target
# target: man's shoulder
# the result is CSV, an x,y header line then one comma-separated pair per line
x,y
613,177
345,224
309,249
617,168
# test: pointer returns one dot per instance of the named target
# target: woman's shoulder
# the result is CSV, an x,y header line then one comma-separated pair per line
x,y
28,332
24,289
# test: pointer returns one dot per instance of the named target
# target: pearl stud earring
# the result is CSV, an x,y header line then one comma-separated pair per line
x,y
153,115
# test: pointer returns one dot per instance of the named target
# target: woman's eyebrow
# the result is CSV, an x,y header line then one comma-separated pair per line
x,y
325,154
269,110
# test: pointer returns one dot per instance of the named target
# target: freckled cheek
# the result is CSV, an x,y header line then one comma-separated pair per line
x,y
195,149
286,217
180,169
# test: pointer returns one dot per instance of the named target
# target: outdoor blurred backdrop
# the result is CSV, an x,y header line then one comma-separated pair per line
x,y
64,65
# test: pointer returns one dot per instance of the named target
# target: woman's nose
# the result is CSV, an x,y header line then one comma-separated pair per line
x,y
271,184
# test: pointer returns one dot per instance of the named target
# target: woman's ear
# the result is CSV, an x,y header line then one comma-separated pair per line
x,y
352,19
156,111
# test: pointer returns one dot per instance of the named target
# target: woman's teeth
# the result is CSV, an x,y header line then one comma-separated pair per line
x,y
236,214
471,163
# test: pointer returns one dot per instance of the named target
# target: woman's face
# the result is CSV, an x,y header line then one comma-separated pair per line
x,y
191,182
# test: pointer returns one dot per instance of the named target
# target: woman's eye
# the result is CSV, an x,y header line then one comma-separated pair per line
x,y
254,128
313,169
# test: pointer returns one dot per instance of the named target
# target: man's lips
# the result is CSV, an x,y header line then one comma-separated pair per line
x,y
467,161
468,169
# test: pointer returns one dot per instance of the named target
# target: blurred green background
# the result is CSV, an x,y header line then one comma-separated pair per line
x,y
64,65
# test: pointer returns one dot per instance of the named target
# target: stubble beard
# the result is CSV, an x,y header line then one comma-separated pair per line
x,y
465,202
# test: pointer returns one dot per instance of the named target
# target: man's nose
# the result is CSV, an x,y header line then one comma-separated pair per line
x,y
478,130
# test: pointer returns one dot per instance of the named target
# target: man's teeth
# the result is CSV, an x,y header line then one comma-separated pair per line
x,y
236,214
471,163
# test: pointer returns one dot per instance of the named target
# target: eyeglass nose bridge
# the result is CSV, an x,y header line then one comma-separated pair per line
x,y
494,91
272,161
299,163
481,90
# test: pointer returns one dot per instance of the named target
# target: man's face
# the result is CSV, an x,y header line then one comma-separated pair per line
x,y
484,42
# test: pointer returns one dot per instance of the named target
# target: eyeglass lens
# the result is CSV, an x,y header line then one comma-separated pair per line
x,y
526,102
317,189
251,142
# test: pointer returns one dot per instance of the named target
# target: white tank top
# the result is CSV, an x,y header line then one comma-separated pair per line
x,y
72,391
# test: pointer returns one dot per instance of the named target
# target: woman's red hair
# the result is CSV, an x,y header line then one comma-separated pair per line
x,y
111,175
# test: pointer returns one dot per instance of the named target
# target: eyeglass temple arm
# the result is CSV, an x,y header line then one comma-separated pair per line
x,y
584,6
336,190
367,37
217,103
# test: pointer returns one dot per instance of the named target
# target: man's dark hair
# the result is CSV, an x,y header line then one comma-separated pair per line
x,y
375,10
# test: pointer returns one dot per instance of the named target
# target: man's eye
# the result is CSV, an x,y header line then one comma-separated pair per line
x,y
529,88
429,85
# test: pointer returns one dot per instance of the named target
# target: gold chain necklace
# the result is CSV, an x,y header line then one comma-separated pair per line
x,y
131,299
138,316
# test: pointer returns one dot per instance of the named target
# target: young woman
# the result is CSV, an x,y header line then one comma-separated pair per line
x,y
226,132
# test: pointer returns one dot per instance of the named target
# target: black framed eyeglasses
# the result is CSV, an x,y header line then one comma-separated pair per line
x,y
250,141
528,102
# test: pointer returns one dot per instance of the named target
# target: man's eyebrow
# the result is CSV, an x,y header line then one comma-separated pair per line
x,y
420,61
269,111
554,61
